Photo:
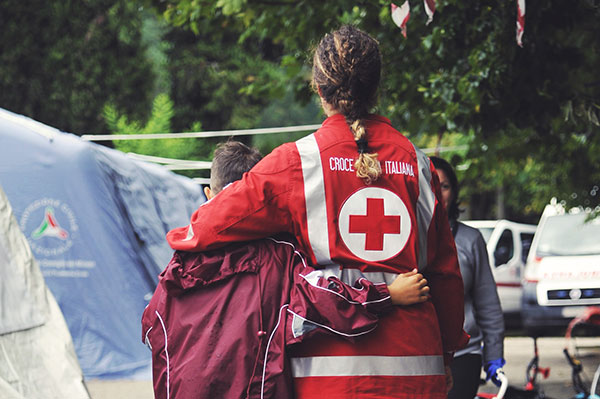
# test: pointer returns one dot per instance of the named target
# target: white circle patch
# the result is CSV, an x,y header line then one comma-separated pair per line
x,y
374,224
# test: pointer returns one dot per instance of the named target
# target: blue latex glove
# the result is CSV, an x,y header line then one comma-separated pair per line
x,y
491,368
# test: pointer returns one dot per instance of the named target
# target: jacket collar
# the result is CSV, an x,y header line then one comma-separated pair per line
x,y
339,119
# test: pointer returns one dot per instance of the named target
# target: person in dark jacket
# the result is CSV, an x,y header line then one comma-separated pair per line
x,y
219,322
483,315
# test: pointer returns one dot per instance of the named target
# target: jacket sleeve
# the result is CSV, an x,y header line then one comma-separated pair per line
x,y
321,304
248,209
443,275
488,312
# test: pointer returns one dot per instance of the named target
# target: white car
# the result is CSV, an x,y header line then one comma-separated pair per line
x,y
562,275
508,245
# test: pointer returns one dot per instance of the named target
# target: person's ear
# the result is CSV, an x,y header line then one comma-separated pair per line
x,y
320,91
208,192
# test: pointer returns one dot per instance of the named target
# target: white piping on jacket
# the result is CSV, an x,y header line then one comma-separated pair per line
x,y
329,328
317,274
262,385
166,351
147,340
291,245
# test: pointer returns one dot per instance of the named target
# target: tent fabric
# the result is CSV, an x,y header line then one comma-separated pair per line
x,y
20,278
96,222
37,357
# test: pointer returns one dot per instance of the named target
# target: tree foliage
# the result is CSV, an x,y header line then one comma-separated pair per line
x,y
530,115
61,61
159,122
215,79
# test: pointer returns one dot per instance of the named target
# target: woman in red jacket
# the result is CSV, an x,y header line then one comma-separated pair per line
x,y
362,200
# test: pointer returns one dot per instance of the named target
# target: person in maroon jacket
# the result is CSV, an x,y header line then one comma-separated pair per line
x,y
220,321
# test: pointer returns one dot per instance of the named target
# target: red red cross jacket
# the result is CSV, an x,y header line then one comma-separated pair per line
x,y
219,321
310,188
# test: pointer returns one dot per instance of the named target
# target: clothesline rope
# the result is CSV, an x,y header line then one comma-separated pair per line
x,y
188,164
189,135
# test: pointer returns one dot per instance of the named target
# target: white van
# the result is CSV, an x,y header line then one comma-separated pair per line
x,y
508,245
562,275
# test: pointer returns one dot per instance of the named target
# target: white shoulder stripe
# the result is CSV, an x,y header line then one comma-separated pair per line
x,y
314,194
425,206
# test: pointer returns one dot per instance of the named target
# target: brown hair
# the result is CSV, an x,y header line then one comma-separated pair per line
x,y
231,160
346,72
443,165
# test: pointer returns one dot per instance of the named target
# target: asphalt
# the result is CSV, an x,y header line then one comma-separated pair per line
x,y
518,352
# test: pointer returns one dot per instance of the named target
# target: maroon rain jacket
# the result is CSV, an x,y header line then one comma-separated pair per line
x,y
219,321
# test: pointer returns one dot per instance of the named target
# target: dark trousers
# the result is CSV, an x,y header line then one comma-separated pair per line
x,y
466,371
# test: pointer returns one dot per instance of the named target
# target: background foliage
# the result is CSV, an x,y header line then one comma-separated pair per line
x,y
529,115
61,61
526,120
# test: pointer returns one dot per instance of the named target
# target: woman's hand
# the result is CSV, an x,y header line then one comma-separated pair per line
x,y
409,288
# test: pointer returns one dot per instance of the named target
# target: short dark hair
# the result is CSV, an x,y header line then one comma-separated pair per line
x,y
442,164
230,161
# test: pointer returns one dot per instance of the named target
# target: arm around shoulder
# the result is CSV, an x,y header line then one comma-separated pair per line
x,y
248,209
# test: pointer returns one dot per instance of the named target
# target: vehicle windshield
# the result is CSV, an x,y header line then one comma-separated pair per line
x,y
486,232
569,235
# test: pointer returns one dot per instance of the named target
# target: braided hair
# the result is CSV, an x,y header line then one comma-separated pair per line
x,y
346,72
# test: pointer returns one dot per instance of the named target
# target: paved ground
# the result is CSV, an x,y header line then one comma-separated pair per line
x,y
120,389
519,351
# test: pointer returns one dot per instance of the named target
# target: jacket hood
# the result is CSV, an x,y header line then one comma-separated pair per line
x,y
191,270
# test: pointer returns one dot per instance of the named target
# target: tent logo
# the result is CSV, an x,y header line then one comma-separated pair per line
x,y
49,224
49,227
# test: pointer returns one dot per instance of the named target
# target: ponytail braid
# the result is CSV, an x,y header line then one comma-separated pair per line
x,y
346,71
367,165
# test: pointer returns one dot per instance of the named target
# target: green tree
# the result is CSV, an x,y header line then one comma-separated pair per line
x,y
530,114
159,122
215,79
61,61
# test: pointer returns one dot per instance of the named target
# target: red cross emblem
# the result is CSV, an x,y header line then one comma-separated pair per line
x,y
374,224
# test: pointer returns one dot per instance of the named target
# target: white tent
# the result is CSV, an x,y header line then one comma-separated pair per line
x,y
37,357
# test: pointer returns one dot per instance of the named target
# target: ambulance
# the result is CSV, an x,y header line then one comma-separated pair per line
x,y
562,273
